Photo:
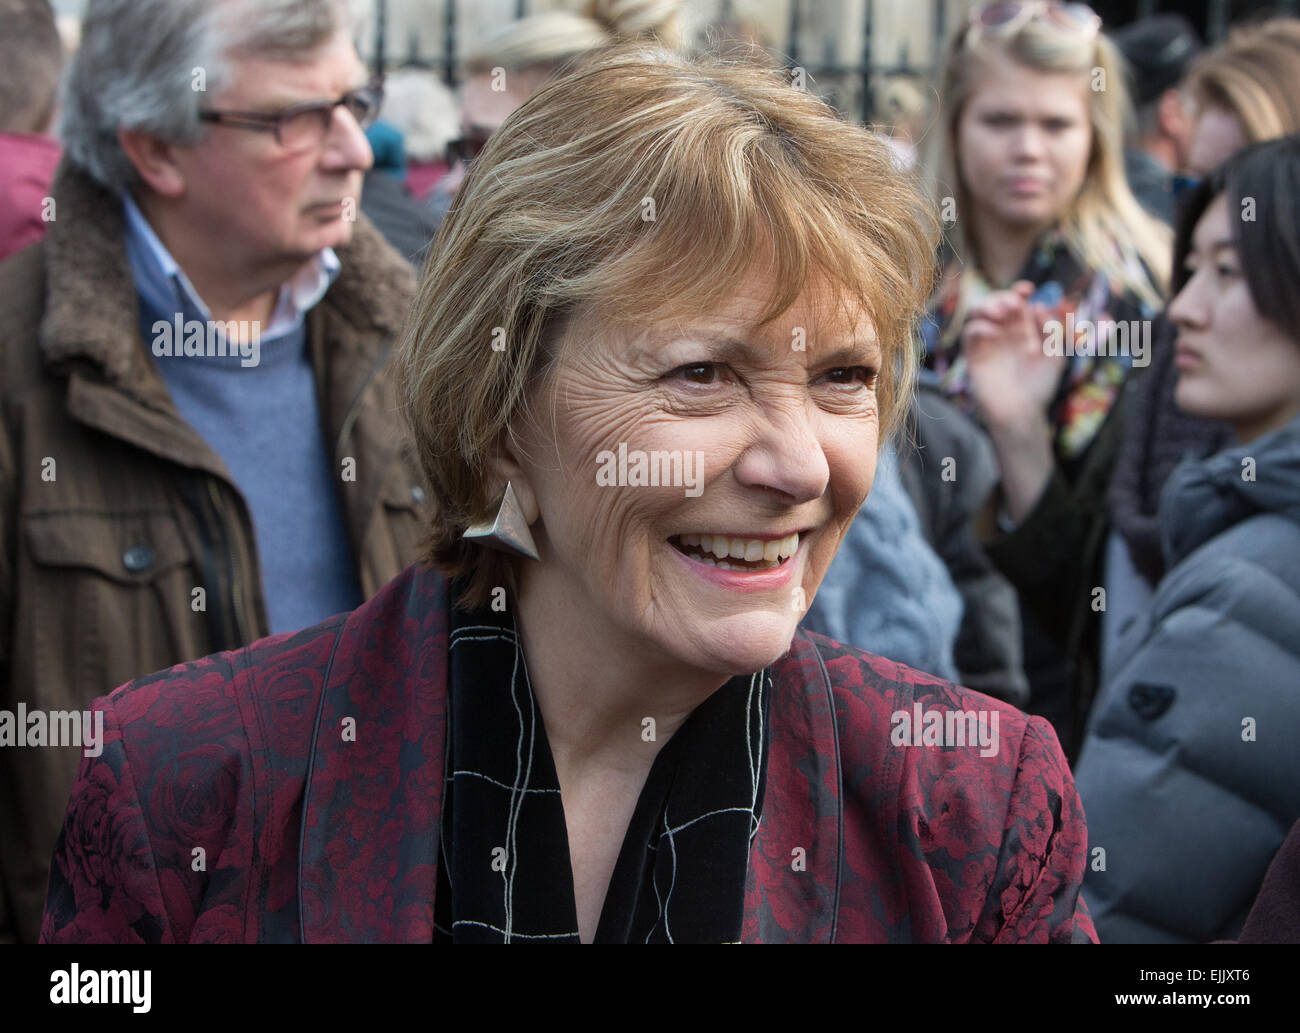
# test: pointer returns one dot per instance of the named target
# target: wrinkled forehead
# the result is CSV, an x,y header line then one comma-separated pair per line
x,y
824,316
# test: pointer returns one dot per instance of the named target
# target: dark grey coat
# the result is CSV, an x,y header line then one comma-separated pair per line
x,y
949,475
1190,771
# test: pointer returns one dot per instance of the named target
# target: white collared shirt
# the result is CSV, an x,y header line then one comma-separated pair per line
x,y
164,287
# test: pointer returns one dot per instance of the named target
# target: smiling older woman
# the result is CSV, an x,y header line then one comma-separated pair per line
x,y
667,325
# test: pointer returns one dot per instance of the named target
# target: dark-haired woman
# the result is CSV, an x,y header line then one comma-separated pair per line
x,y
1189,773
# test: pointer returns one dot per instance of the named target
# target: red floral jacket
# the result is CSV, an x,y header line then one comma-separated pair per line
x,y
290,791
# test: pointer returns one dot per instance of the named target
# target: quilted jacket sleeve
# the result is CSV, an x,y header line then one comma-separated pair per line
x,y
1189,771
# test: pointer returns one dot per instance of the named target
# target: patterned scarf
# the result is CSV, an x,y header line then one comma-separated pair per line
x,y
504,873
1090,382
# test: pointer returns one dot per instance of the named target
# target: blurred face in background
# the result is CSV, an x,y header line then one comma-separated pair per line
x,y
1233,364
1216,136
487,100
1023,140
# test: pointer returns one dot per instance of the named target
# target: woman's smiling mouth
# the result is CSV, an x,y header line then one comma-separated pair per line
x,y
730,552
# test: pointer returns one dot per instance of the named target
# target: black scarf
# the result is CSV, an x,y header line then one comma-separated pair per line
x,y
504,872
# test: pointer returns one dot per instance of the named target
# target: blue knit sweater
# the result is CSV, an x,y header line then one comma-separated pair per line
x,y
887,591
259,412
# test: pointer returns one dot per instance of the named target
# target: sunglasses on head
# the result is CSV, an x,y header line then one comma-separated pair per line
x,y
1007,16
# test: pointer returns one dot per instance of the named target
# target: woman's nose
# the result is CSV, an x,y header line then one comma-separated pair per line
x,y
788,457
1187,308
1027,141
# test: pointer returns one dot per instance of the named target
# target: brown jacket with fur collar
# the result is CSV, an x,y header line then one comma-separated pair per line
x,y
114,512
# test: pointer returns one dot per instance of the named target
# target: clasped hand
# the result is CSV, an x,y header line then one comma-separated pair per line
x,y
1012,378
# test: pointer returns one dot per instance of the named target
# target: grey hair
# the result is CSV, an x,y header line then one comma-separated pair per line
x,y
150,64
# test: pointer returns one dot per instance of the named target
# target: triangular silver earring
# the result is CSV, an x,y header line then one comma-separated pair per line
x,y
508,531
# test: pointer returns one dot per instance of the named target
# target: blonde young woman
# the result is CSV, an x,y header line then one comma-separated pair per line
x,y
1047,252
1244,91
1189,771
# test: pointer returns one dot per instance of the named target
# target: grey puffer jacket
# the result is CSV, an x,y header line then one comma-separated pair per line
x,y
1190,772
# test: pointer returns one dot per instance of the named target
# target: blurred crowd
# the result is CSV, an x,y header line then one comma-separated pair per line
x,y
1094,513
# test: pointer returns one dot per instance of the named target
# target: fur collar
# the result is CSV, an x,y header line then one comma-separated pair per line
x,y
91,308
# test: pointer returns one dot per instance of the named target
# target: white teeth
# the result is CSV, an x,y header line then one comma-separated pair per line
x,y
751,550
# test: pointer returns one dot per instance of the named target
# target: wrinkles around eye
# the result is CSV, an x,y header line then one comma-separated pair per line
x,y
855,397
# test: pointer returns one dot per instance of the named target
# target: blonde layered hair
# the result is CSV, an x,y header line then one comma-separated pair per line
x,y
1105,225
1254,74
542,43
745,173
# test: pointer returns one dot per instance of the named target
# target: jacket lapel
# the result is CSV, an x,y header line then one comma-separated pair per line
x,y
90,328
368,854
792,890
351,333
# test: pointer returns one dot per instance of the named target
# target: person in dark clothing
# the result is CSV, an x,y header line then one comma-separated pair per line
x,y
949,473
1243,91
1044,234
1189,772
405,223
1158,50
160,502
1275,915
605,676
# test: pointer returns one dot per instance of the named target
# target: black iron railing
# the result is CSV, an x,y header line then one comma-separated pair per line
x,y
846,86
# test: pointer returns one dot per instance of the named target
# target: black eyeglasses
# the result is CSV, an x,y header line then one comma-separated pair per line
x,y
305,126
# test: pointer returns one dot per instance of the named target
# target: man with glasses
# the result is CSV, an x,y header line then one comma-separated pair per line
x,y
199,443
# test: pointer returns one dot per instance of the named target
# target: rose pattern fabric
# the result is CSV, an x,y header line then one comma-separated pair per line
x,y
290,791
